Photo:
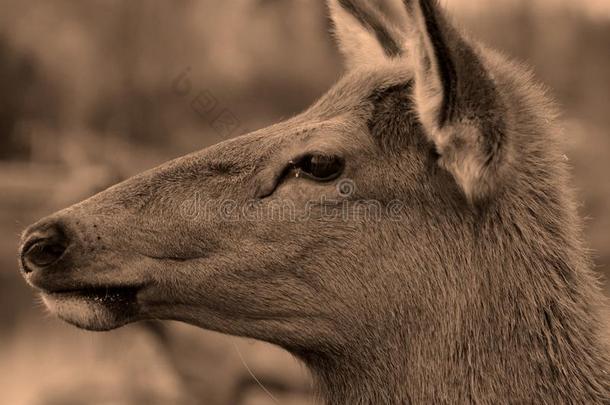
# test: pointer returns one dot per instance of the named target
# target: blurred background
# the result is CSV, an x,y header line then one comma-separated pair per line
x,y
94,91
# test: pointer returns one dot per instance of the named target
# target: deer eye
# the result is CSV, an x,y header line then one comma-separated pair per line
x,y
319,167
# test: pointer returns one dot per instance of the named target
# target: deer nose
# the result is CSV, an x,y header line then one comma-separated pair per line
x,y
43,246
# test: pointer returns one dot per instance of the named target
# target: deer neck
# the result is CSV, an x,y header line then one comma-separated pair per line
x,y
524,329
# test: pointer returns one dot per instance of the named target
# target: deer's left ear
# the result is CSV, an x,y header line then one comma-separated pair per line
x,y
457,101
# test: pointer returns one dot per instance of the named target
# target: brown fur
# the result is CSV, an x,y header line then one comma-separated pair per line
x,y
481,293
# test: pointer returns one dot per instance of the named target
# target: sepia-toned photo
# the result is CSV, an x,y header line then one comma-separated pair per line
x,y
304,202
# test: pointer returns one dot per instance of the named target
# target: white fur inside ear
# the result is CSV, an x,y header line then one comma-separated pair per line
x,y
462,157
428,99
358,45
428,93
467,171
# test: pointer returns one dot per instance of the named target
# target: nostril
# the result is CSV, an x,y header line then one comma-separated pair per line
x,y
43,248
43,253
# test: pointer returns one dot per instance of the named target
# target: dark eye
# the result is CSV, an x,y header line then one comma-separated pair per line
x,y
319,167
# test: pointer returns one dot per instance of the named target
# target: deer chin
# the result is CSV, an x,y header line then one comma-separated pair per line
x,y
94,308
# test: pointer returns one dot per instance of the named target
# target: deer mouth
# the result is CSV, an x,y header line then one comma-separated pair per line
x,y
102,295
96,308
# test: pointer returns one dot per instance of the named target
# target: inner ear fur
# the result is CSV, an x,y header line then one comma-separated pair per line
x,y
457,101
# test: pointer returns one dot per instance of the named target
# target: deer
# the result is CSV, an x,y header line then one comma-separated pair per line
x,y
471,284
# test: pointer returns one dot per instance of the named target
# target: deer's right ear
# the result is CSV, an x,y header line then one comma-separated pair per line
x,y
364,34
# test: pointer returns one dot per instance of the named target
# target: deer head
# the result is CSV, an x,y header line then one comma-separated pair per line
x,y
394,225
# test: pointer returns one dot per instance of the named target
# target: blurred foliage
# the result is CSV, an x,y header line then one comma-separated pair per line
x,y
108,66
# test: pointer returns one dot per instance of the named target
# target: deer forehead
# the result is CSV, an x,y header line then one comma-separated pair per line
x,y
356,87
336,122
337,119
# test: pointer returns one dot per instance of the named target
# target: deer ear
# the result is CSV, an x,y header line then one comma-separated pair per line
x,y
457,101
364,34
